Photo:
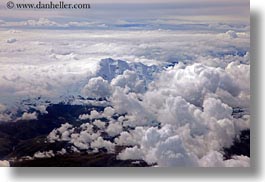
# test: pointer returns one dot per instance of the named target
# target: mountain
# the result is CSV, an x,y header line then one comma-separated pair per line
x,y
110,68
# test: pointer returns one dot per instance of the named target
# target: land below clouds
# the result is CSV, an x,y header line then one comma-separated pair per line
x,y
25,138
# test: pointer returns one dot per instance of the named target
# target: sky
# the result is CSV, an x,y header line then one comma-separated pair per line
x,y
140,11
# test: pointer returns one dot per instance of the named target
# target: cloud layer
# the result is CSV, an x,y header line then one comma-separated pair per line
x,y
170,85
183,118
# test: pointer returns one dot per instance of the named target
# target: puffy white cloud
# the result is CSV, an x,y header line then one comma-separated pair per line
x,y
4,116
159,147
131,81
97,88
101,143
62,152
215,108
2,107
171,152
87,127
125,139
215,159
45,154
196,131
29,116
238,161
61,134
177,111
94,114
196,81
4,163
84,116
81,141
39,22
42,109
131,138
114,128
190,103
99,124
108,112
192,83
240,74
75,150
130,104
80,137
232,34
133,153
11,40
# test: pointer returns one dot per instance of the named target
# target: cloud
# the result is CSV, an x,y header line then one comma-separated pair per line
x,y
97,88
101,143
133,153
99,124
215,108
61,134
11,40
114,129
81,137
40,22
166,147
42,109
4,163
200,127
171,152
129,104
238,161
107,113
94,114
197,81
3,115
53,71
84,117
157,148
62,152
29,116
131,81
45,154
169,96
215,159
2,108
232,34
125,139
131,138
190,106
80,141
46,24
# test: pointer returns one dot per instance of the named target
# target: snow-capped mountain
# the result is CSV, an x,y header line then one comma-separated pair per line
x,y
110,68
